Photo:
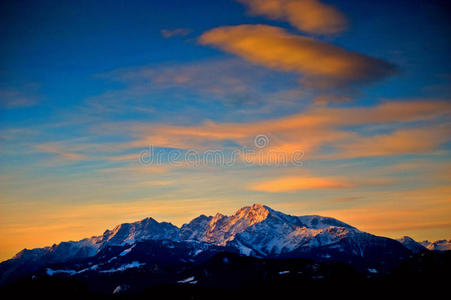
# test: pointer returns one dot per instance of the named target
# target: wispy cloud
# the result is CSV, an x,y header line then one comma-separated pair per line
x,y
291,184
339,129
399,142
168,33
231,81
318,133
14,98
61,153
307,181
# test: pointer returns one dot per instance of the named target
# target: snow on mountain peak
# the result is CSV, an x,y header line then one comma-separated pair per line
x,y
220,228
266,230
440,245
146,229
411,244
252,214
195,229
276,232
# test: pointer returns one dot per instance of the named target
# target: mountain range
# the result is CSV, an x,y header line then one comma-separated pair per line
x,y
167,253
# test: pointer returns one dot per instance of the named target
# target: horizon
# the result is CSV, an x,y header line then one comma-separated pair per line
x,y
113,112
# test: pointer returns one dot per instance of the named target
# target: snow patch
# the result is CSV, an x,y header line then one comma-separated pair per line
x,y
284,272
120,288
52,272
134,264
127,251
111,259
92,268
188,280
197,252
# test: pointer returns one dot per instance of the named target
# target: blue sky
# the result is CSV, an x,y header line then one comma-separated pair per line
x,y
86,86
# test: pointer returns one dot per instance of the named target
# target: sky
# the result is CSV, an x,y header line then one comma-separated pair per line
x,y
112,111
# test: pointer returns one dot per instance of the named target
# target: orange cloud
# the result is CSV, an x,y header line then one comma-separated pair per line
x,y
322,64
299,136
61,153
386,112
290,184
409,141
310,16
315,128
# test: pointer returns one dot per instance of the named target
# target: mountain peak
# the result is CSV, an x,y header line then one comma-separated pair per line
x,y
222,229
440,245
406,239
411,244
253,214
145,229
258,206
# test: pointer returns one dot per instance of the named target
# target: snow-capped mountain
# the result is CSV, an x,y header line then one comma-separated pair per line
x,y
195,229
127,233
411,244
260,231
146,229
124,234
440,245
255,230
